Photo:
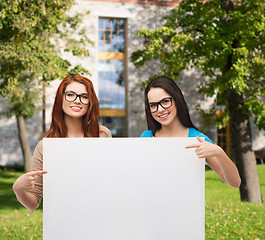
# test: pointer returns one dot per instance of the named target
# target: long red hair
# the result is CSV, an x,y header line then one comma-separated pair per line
x,y
90,119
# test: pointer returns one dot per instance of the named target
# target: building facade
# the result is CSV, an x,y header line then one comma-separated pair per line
x,y
112,25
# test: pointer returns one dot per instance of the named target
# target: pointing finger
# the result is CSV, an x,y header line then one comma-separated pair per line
x,y
35,173
195,145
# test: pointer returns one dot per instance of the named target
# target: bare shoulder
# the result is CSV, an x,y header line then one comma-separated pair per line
x,y
104,132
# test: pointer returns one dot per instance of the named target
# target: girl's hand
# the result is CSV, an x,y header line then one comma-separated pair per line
x,y
26,181
204,149
217,159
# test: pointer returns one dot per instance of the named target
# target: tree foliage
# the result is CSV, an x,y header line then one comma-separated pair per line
x,y
228,46
33,36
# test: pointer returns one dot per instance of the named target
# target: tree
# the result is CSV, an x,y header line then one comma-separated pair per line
x,y
33,35
226,40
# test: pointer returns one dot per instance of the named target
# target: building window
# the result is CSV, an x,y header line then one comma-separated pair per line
x,y
112,75
111,84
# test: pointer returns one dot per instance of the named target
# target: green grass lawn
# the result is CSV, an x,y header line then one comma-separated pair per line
x,y
16,222
226,217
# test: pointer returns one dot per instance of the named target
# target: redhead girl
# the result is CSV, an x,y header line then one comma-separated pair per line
x,y
75,114
167,116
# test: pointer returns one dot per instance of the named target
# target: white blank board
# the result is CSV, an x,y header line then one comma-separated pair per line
x,y
123,189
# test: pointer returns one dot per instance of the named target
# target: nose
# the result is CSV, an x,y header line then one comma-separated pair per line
x,y
160,108
77,100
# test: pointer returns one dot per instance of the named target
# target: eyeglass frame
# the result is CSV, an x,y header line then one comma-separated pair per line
x,y
159,103
77,95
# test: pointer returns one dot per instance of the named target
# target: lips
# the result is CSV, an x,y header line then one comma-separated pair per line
x,y
164,115
76,108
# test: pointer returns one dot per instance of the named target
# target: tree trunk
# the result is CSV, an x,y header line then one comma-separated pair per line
x,y
241,133
22,133
242,147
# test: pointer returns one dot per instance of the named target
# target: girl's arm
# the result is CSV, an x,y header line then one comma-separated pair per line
x,y
218,161
23,184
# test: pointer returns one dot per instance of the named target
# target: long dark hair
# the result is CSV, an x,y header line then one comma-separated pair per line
x,y
90,119
170,86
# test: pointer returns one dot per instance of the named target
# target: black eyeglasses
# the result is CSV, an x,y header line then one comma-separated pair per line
x,y
164,103
72,96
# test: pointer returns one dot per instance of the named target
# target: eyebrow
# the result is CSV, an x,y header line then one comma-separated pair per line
x,y
160,100
77,93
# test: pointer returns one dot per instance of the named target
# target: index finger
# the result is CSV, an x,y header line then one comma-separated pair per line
x,y
35,173
195,145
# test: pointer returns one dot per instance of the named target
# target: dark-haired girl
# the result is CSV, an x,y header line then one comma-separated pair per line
x,y
75,114
167,115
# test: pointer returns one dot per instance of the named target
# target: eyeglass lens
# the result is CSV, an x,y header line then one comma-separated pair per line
x,y
164,103
72,96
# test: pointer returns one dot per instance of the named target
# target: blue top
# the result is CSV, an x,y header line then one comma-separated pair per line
x,y
192,133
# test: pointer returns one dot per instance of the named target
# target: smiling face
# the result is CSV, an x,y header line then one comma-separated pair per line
x,y
75,109
163,116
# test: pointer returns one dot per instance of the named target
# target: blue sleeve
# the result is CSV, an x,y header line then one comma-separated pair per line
x,y
147,134
194,133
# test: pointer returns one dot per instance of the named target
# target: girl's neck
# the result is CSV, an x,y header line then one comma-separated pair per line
x,y
74,127
175,129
